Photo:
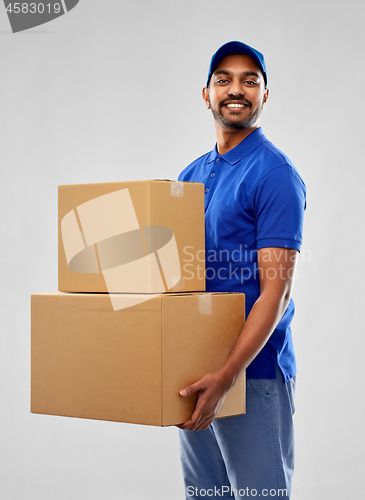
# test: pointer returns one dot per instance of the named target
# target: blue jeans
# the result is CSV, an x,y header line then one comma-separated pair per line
x,y
246,455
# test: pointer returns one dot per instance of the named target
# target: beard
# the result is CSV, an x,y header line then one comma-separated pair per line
x,y
247,122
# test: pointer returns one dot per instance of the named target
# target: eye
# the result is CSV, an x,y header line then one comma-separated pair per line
x,y
222,80
250,82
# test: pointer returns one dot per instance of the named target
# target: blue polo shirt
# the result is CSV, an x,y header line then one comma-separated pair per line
x,y
254,198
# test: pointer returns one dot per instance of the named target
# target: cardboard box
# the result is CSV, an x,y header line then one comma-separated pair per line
x,y
129,365
134,237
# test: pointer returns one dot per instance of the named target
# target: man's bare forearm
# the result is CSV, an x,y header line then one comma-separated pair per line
x,y
261,322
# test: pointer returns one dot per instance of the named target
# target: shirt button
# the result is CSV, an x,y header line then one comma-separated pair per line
x,y
212,174
218,160
207,190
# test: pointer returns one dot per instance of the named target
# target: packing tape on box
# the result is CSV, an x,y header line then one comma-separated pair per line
x,y
110,226
177,188
205,303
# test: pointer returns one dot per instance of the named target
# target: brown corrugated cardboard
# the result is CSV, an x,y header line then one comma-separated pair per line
x,y
134,237
92,362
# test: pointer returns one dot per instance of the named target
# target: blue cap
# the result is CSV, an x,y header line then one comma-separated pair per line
x,y
240,48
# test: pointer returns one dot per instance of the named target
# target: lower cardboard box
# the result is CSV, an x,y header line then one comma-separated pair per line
x,y
89,361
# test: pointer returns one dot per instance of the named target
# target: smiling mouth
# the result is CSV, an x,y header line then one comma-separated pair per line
x,y
236,105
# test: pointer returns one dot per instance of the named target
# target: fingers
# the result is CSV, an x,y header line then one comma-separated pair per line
x,y
191,389
191,425
205,426
196,416
201,418
194,421
210,398
205,421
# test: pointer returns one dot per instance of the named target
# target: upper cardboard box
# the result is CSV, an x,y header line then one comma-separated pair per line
x,y
133,237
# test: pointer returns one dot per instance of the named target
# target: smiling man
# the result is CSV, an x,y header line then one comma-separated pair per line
x,y
254,206
238,110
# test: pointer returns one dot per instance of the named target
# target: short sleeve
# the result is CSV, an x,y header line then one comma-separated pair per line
x,y
279,202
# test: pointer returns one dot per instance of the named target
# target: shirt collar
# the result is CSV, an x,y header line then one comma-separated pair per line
x,y
242,149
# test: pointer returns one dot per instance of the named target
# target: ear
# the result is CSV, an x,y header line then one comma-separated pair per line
x,y
266,96
205,95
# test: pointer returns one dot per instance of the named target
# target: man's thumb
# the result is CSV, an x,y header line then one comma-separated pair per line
x,y
188,391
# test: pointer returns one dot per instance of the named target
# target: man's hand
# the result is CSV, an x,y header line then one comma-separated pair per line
x,y
211,389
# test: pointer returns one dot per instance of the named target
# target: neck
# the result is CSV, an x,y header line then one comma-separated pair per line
x,y
229,139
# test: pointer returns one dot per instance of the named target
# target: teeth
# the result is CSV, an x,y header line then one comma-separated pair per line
x,y
236,105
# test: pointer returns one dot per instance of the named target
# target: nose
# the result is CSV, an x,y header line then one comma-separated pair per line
x,y
236,88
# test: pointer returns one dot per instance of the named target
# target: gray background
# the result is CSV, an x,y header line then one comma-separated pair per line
x,y
112,91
